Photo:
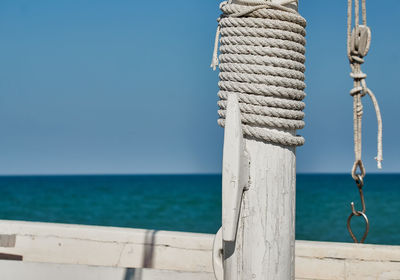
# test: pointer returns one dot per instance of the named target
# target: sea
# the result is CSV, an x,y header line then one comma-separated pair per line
x,y
193,203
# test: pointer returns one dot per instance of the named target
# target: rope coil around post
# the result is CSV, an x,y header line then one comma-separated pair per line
x,y
262,62
358,44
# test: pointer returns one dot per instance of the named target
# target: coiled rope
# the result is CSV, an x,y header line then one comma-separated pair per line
x,y
262,62
358,43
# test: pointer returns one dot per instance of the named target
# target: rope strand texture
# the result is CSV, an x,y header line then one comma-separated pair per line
x,y
262,62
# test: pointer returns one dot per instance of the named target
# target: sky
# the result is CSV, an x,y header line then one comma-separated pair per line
x,y
124,87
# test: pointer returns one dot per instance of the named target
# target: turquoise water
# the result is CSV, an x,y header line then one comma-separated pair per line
x,y
193,202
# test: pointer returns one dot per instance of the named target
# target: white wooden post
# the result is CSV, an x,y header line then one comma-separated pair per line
x,y
266,235
264,247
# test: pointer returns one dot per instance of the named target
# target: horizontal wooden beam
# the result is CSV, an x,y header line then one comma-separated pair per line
x,y
11,270
108,246
329,260
178,251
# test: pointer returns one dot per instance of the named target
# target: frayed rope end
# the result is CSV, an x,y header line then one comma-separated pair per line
x,y
215,61
379,162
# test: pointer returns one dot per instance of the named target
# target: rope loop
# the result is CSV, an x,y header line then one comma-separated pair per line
x,y
358,76
358,171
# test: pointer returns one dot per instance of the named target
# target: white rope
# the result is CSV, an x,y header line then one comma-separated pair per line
x,y
262,62
358,42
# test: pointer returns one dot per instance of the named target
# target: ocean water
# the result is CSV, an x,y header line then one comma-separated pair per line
x,y
193,203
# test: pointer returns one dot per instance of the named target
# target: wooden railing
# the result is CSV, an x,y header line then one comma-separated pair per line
x,y
178,251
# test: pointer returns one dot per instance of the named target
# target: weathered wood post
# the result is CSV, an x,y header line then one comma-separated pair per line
x,y
266,235
265,240
264,245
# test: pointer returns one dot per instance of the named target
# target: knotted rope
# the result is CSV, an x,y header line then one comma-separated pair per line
x,y
262,62
358,43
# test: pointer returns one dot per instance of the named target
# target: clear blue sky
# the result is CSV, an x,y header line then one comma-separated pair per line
x,y
122,86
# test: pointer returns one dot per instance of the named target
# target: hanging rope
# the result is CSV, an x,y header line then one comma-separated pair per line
x,y
262,62
358,43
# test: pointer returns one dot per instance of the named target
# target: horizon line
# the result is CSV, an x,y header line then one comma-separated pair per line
x,y
172,174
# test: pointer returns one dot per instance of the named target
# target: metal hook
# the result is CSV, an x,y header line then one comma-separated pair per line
x,y
360,183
